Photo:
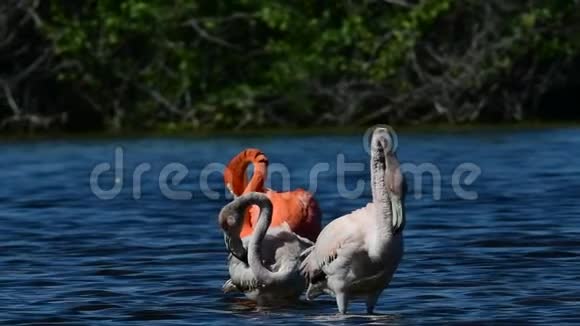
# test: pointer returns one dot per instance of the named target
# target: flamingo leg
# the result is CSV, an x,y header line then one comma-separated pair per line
x,y
372,299
341,302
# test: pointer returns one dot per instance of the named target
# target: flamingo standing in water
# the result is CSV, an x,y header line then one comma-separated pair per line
x,y
272,273
297,208
357,254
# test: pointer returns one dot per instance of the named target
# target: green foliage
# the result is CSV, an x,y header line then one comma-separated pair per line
x,y
206,64
211,61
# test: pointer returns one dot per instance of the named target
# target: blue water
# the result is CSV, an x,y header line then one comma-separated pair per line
x,y
512,255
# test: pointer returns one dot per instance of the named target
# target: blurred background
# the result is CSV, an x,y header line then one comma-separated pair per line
x,y
136,65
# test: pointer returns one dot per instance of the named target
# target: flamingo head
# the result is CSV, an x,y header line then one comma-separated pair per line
x,y
231,220
384,145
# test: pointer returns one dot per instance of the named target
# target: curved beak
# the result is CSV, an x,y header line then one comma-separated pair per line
x,y
236,248
398,211
231,190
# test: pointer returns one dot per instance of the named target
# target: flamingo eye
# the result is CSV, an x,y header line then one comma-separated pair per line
x,y
231,220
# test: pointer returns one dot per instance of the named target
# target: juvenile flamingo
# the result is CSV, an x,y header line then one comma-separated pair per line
x,y
298,208
357,254
272,273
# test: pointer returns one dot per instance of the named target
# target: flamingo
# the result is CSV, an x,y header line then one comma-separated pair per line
x,y
357,254
297,208
272,273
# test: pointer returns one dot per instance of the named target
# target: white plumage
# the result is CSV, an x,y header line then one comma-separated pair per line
x,y
357,254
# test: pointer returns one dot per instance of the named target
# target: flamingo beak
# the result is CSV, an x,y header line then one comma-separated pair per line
x,y
231,190
398,211
236,248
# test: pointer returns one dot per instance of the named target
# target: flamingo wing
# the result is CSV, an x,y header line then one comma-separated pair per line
x,y
298,208
285,227
339,239
241,277
311,213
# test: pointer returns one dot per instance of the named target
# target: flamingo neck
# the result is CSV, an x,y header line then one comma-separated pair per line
x,y
258,179
264,220
235,172
379,186
262,274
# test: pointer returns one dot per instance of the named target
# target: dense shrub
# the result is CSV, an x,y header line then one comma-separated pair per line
x,y
151,64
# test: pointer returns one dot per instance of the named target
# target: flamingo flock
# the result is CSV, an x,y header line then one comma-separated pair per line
x,y
278,249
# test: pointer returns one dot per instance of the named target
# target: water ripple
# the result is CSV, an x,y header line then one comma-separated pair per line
x,y
509,257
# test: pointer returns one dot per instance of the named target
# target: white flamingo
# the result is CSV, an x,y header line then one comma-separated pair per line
x,y
357,254
271,273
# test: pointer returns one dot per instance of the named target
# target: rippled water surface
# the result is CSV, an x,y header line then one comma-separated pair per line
x,y
67,257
